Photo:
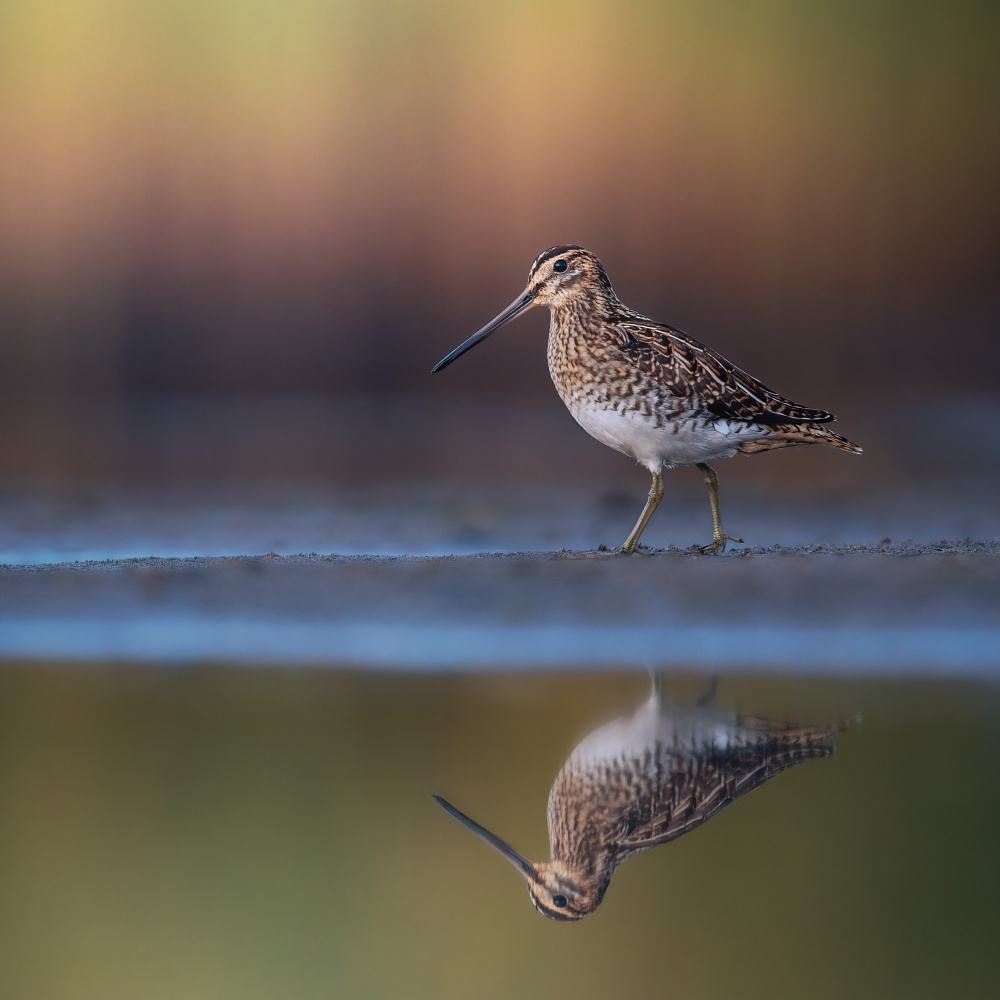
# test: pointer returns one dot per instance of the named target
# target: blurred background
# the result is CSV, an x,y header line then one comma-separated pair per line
x,y
315,198
241,835
235,237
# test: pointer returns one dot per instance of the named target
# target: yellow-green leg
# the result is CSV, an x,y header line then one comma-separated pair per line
x,y
655,496
719,537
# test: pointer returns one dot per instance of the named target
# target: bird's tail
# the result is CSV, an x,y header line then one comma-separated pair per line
x,y
788,435
792,743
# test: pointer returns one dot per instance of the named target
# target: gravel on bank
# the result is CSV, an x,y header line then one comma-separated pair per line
x,y
887,547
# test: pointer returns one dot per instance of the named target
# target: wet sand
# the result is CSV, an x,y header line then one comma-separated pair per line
x,y
897,607
173,532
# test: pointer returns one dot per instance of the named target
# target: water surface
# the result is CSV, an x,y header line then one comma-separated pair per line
x,y
242,833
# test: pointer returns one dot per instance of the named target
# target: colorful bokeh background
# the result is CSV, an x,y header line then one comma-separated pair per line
x,y
235,235
324,197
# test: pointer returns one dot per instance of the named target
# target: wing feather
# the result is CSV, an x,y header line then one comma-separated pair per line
x,y
696,793
689,368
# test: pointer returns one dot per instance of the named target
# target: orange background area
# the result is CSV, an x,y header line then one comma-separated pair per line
x,y
314,197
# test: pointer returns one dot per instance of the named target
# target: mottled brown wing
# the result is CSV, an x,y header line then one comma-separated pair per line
x,y
689,368
702,787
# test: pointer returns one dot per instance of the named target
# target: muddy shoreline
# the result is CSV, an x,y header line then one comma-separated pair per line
x,y
898,607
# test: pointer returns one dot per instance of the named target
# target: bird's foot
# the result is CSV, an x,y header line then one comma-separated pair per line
x,y
625,550
718,545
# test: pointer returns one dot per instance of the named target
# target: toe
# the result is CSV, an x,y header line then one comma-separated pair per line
x,y
719,545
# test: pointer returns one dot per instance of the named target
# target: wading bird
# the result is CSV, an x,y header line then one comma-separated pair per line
x,y
647,389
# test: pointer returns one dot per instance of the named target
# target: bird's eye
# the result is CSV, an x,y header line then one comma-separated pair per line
x,y
559,265
559,901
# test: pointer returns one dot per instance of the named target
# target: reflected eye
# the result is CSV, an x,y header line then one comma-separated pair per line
x,y
559,901
559,265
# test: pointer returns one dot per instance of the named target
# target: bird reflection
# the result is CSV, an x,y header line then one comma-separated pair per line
x,y
643,780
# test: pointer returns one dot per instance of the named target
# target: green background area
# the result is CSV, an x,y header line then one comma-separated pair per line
x,y
261,833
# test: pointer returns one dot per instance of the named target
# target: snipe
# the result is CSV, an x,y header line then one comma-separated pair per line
x,y
644,780
648,390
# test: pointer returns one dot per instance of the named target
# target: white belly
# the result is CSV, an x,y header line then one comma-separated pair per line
x,y
680,727
682,442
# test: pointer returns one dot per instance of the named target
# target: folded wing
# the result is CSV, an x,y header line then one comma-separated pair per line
x,y
690,369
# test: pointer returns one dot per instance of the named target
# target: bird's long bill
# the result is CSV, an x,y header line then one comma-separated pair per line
x,y
518,860
522,302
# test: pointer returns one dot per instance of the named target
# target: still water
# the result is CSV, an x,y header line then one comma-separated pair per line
x,y
243,833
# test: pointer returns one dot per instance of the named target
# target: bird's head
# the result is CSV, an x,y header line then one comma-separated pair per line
x,y
562,894
562,273
557,277
555,890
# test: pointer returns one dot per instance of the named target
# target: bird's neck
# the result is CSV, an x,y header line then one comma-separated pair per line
x,y
588,307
